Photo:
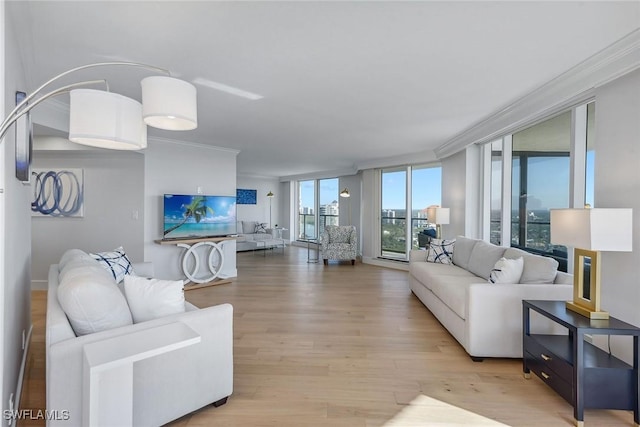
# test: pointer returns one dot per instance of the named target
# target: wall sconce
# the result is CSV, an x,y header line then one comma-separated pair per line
x,y
590,231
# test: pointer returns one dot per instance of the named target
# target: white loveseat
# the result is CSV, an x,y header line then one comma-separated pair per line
x,y
486,318
165,387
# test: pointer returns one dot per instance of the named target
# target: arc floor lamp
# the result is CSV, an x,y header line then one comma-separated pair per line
x,y
104,119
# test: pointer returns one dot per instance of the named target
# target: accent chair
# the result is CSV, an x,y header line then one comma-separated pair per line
x,y
339,242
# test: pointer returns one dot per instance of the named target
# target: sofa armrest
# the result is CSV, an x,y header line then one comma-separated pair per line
x,y
143,269
200,374
493,321
417,255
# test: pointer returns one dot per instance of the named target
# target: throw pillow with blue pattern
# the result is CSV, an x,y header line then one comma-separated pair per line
x,y
115,262
441,251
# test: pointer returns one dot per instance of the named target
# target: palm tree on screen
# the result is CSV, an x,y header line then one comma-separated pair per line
x,y
196,209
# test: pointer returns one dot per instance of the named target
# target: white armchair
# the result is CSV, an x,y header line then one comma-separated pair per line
x,y
339,242
165,387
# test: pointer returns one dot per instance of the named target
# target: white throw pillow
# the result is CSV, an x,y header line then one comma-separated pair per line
x,y
115,262
152,298
507,270
441,251
92,302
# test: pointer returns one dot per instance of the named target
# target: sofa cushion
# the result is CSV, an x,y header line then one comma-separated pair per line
x,y
261,228
152,298
507,271
248,227
483,257
70,255
80,267
441,251
461,255
452,290
428,273
92,302
537,269
115,262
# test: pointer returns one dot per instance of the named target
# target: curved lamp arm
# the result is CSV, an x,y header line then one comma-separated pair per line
x,y
22,108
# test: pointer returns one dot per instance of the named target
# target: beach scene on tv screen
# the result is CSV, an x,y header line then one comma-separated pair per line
x,y
198,216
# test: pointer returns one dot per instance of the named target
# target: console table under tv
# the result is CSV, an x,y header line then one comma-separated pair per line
x,y
215,259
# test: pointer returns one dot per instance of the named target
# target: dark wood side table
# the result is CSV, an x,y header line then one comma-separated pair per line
x,y
584,375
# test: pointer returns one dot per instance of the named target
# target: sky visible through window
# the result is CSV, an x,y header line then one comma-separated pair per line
x,y
544,188
426,186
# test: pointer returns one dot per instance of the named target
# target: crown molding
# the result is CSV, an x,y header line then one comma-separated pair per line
x,y
255,176
320,175
572,87
421,157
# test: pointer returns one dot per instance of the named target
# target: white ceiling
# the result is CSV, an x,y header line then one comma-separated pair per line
x,y
345,84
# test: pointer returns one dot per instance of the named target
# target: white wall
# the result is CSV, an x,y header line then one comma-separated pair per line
x,y
260,211
287,211
370,214
461,190
16,227
617,185
113,208
172,168
454,192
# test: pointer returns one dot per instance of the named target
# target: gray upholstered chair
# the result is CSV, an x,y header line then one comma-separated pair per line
x,y
339,242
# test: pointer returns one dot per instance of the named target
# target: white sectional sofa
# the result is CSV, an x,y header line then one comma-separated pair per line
x,y
486,318
249,239
166,386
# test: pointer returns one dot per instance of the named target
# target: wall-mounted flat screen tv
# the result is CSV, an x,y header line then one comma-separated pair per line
x,y
196,216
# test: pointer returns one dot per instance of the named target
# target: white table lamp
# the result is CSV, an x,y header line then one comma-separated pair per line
x,y
438,215
590,231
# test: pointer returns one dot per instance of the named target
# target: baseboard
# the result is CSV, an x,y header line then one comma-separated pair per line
x,y
21,373
39,285
397,265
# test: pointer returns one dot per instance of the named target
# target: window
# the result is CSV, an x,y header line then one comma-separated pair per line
x,y
540,181
407,189
306,210
426,189
495,226
318,204
329,202
551,163
393,220
590,159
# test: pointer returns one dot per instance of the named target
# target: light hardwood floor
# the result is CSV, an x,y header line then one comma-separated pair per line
x,y
344,345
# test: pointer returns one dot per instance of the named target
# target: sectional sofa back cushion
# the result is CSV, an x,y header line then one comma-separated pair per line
x,y
89,296
483,257
248,227
537,269
462,251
